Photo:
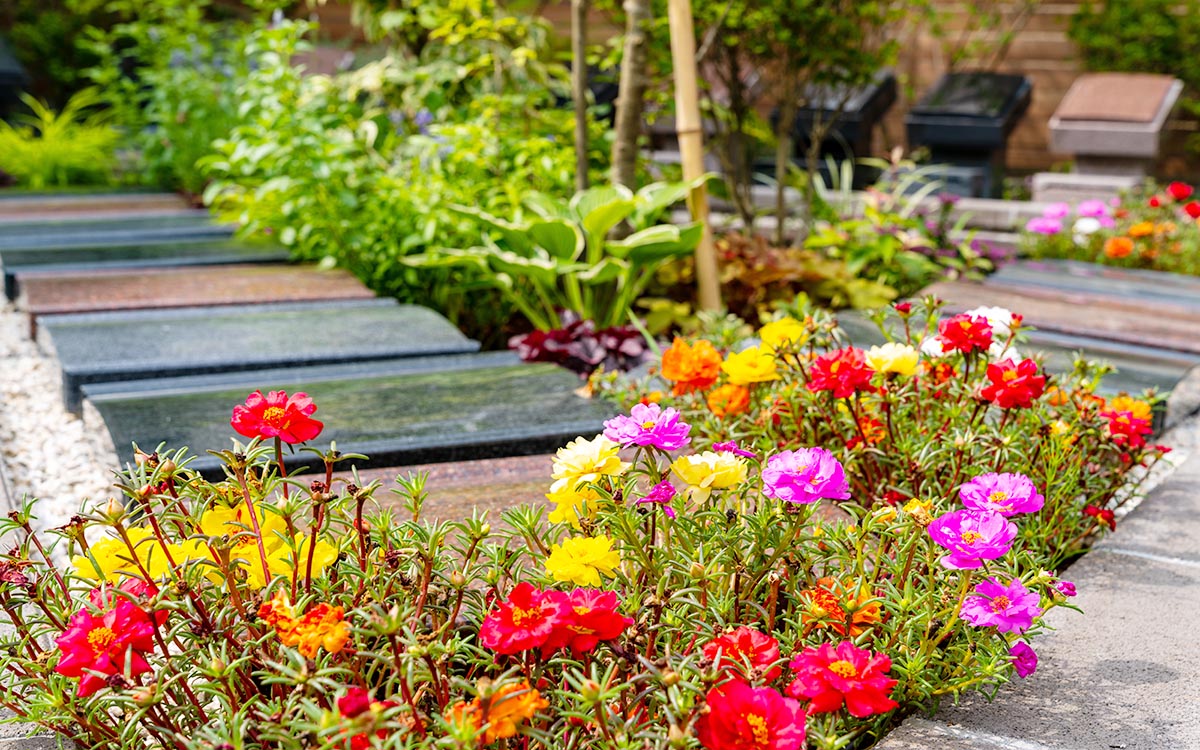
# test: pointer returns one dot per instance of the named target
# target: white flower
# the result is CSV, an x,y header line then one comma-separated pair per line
x,y
933,348
999,318
1085,226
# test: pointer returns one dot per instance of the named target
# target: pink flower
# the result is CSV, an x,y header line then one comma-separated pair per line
x,y
1024,659
1006,494
745,648
805,476
1010,609
1043,225
662,494
277,415
731,446
1066,588
829,676
648,424
98,646
740,717
1095,209
1057,211
972,536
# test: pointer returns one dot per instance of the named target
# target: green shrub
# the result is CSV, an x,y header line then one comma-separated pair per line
x,y
1140,36
48,149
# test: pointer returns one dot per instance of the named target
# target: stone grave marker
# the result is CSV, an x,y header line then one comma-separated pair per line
x,y
110,229
117,346
100,291
422,410
1126,286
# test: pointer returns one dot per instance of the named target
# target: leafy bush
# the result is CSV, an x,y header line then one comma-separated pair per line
x,y
1139,36
767,589
1146,229
71,147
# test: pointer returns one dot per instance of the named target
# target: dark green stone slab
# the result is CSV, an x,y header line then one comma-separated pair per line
x,y
1133,285
197,251
116,346
423,410
124,226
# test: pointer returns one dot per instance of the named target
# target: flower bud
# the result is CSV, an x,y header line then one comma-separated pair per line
x,y
113,510
457,579
168,467
145,696
696,571
590,691
670,678
676,737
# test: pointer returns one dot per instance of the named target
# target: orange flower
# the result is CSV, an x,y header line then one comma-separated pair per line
x,y
1056,396
501,712
1142,229
691,367
320,627
1167,227
729,400
1118,247
1138,408
825,608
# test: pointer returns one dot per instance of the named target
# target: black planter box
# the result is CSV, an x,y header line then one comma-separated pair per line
x,y
13,80
965,120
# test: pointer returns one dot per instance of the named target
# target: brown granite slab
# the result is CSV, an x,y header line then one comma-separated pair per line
x,y
104,291
27,207
1115,97
1082,314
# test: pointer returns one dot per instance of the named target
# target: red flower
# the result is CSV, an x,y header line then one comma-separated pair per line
x,y
904,308
829,676
105,597
743,646
744,718
276,415
1154,202
98,646
1126,429
592,617
842,371
1179,191
1106,516
1014,384
356,702
964,333
1192,209
525,621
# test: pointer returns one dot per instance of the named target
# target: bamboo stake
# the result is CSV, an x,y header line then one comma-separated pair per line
x,y
688,128
579,10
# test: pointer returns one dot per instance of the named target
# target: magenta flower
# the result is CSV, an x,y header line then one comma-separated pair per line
x,y
1024,659
662,494
1066,588
731,446
1057,211
805,476
1095,209
971,536
1044,225
1006,494
647,424
1010,609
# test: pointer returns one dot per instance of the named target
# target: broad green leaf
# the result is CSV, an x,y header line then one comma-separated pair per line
x,y
604,271
657,243
589,200
561,238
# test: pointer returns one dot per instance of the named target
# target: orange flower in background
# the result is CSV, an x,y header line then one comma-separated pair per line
x,y
729,400
1118,247
691,368
500,713
1167,227
1056,396
1138,408
1142,229
322,626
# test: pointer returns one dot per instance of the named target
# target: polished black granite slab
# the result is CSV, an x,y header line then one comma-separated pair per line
x,y
111,229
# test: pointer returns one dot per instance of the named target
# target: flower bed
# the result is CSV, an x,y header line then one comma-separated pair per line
x,y
798,545
1158,231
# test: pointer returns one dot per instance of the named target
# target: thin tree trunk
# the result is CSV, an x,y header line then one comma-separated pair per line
x,y
783,160
579,10
632,93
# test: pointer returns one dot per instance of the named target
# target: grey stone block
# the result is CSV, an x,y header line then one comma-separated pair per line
x,y
110,230
1166,527
1057,187
1121,140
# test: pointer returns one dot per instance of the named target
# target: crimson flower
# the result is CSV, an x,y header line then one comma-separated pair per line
x,y
829,676
105,597
96,647
842,371
1014,384
1105,516
525,621
1154,202
1180,191
964,333
277,415
1126,429
742,718
356,702
745,648
592,617
1192,209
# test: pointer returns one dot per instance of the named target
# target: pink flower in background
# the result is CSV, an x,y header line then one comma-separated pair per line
x,y
1024,659
1044,225
731,446
1094,209
1006,494
805,476
1066,588
1010,609
1057,211
972,536
662,494
648,424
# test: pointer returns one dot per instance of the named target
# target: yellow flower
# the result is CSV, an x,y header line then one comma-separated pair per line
x,y
1059,428
1141,229
919,510
114,562
753,365
232,522
708,471
1139,408
582,560
585,461
783,331
568,502
893,357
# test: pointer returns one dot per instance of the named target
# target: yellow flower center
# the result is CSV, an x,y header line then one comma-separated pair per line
x,y
582,610
833,368
100,639
1009,376
273,415
522,616
970,537
648,424
965,324
758,725
998,496
843,668
1001,603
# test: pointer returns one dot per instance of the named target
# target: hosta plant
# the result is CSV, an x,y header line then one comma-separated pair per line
x,y
778,576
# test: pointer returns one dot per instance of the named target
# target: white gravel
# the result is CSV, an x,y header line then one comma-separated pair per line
x,y
47,453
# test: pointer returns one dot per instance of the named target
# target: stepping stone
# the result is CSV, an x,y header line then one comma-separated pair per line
x,y
20,205
1083,314
18,264
106,347
113,229
1129,284
100,291
422,410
